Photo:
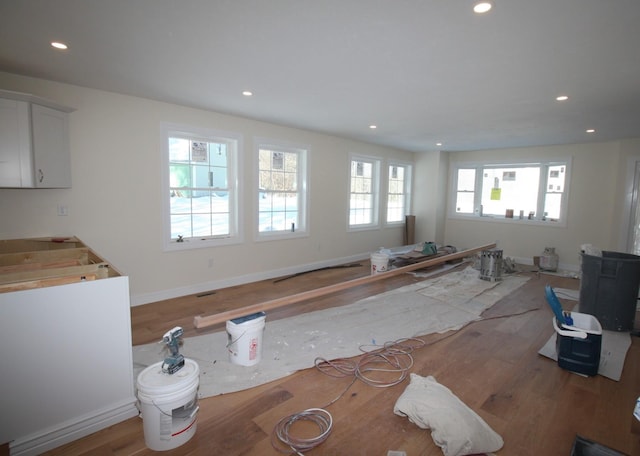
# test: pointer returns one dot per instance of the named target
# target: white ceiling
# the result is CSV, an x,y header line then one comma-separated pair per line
x,y
423,71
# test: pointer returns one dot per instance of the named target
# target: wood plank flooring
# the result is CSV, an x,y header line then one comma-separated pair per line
x,y
491,365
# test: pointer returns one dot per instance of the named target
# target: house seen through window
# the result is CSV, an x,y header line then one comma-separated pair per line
x,y
363,193
201,203
398,192
281,190
533,191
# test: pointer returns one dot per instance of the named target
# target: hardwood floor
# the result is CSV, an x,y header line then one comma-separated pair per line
x,y
491,365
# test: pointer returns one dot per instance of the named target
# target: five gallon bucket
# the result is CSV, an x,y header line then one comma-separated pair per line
x,y
245,339
379,263
169,405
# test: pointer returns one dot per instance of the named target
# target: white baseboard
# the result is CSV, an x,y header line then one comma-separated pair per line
x,y
69,431
146,298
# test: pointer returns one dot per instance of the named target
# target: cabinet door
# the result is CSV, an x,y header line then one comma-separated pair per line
x,y
16,166
52,162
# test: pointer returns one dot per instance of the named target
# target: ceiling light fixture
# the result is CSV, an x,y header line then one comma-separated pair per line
x,y
562,98
373,127
591,130
438,144
247,93
482,6
58,45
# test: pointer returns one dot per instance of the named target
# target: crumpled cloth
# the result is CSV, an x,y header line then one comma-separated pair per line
x,y
455,428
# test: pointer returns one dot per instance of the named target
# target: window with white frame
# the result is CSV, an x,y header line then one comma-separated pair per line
x,y
200,187
522,191
363,192
282,190
398,192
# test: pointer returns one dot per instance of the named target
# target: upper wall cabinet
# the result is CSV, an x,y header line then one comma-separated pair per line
x,y
34,142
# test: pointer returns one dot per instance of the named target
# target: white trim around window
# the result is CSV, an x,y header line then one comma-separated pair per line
x,y
363,211
207,214
281,190
398,200
534,192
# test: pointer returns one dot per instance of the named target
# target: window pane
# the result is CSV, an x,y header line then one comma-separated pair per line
x,y
364,175
396,198
510,188
199,194
279,201
552,205
555,178
466,180
464,202
465,197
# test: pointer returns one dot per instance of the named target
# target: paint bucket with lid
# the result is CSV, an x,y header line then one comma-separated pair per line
x,y
379,263
169,405
245,339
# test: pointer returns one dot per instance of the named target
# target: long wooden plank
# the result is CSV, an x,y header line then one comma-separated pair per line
x,y
100,270
20,286
200,321
44,256
15,268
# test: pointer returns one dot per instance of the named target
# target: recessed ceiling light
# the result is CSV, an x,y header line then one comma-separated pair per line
x,y
591,130
373,127
438,144
562,98
247,93
482,6
58,45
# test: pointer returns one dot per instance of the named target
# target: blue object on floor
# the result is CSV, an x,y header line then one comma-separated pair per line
x,y
552,299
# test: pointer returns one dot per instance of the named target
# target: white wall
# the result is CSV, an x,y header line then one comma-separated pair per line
x,y
594,211
429,195
115,203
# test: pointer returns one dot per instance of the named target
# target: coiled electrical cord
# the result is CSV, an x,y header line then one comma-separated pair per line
x,y
392,361
287,442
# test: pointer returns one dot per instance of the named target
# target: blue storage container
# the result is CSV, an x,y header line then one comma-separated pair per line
x,y
579,345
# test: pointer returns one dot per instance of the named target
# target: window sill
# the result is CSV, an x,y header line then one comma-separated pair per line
x,y
280,236
204,243
551,223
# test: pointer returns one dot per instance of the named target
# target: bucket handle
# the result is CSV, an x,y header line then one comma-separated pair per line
x,y
570,333
231,342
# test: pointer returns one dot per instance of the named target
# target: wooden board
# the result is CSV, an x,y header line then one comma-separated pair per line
x,y
101,271
210,320
31,284
42,258
49,261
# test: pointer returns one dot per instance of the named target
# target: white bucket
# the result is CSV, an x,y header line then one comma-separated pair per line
x,y
379,263
245,339
169,405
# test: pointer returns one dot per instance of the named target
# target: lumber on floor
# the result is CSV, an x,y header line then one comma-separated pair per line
x,y
492,366
204,321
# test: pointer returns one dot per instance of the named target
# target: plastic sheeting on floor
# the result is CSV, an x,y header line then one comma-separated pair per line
x,y
435,305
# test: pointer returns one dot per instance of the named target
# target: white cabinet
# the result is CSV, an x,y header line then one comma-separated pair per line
x,y
66,352
34,142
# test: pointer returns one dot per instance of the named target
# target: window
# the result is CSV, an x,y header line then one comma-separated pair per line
x,y
522,191
398,192
200,189
364,185
282,190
